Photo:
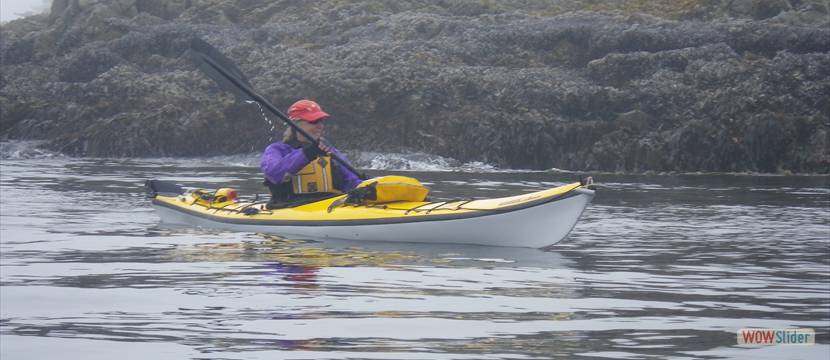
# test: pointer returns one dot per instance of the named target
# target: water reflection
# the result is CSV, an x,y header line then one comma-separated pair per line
x,y
288,252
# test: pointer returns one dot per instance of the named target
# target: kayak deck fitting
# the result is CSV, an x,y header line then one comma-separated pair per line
x,y
536,219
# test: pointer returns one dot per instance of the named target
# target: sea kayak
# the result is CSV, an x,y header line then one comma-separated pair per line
x,y
535,220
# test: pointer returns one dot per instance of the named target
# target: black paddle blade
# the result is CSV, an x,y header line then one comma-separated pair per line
x,y
202,54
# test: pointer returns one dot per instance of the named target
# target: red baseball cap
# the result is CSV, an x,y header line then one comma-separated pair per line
x,y
306,110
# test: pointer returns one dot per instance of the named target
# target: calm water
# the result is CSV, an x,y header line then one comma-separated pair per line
x,y
659,267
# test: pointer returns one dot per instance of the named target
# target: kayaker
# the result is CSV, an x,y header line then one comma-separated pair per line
x,y
296,169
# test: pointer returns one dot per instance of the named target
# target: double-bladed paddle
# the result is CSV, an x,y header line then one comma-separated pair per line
x,y
228,76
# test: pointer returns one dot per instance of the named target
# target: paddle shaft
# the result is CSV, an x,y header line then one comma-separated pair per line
x,y
256,97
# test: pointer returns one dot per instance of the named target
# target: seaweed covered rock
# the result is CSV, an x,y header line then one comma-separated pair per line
x,y
609,85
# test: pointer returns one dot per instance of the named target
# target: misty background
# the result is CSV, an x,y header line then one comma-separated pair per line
x,y
14,9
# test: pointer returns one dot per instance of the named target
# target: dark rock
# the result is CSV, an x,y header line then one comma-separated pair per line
x,y
88,64
758,9
624,86
619,68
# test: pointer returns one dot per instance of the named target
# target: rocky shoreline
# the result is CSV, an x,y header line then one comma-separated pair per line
x,y
597,86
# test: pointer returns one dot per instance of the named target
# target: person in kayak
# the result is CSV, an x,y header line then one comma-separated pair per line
x,y
298,170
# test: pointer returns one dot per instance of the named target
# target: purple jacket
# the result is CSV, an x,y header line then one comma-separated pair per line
x,y
280,161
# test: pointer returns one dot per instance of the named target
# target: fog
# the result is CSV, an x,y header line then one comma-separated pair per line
x,y
14,9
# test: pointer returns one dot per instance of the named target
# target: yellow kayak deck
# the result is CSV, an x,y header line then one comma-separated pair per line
x,y
323,213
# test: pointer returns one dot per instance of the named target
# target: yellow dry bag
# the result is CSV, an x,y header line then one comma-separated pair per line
x,y
217,199
384,189
393,188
